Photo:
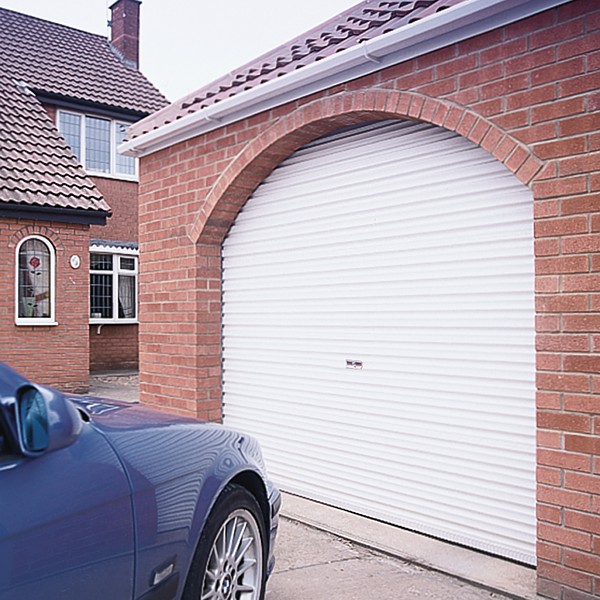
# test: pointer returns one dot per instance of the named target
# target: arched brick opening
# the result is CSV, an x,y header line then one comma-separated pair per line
x,y
322,116
262,154
35,229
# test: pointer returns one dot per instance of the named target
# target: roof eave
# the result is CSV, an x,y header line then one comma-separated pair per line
x,y
68,102
130,248
53,213
453,25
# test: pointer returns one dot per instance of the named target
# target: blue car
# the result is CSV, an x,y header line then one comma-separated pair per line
x,y
114,501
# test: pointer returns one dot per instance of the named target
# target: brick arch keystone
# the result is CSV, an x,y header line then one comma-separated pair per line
x,y
324,115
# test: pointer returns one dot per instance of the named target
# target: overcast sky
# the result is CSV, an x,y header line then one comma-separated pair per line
x,y
188,43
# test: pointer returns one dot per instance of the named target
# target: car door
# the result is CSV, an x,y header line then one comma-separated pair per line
x,y
66,523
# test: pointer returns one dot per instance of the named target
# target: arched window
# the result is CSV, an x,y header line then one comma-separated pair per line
x,y
35,282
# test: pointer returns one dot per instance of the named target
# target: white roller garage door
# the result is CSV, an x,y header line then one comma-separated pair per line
x,y
378,333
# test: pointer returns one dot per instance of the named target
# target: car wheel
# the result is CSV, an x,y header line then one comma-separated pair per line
x,y
229,563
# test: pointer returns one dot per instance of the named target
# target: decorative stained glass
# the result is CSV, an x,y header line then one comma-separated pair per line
x,y
34,280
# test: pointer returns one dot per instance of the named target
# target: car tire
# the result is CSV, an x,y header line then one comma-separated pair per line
x,y
230,559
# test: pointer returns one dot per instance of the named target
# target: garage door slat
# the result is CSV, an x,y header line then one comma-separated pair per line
x,y
406,251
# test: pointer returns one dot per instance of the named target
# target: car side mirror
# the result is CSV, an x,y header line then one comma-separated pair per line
x,y
46,420
32,419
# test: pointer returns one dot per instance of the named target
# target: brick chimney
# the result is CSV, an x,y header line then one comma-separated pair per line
x,y
125,30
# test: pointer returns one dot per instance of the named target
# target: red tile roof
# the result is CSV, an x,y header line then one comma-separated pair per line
x,y
360,23
40,58
36,165
59,60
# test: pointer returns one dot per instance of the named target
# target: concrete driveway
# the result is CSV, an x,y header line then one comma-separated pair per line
x,y
315,565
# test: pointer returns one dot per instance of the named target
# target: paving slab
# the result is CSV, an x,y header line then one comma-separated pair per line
x,y
119,385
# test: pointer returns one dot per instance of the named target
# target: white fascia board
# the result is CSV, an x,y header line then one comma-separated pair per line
x,y
450,26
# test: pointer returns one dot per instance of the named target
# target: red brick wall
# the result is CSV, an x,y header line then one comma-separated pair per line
x,y
527,93
51,110
122,196
113,347
53,355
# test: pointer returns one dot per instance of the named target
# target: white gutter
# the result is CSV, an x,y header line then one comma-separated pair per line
x,y
455,24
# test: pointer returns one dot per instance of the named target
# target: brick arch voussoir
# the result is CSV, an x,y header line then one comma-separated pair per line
x,y
41,230
324,115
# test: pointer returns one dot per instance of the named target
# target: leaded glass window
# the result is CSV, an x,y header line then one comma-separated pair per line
x,y
35,281
95,140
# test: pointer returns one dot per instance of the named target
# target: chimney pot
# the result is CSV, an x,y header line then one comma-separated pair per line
x,y
125,30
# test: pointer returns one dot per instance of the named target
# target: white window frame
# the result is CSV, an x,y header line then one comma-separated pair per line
x,y
114,123
37,321
115,272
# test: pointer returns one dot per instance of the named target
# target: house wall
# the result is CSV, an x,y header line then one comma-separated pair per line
x,y
122,197
114,347
528,94
51,110
54,355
